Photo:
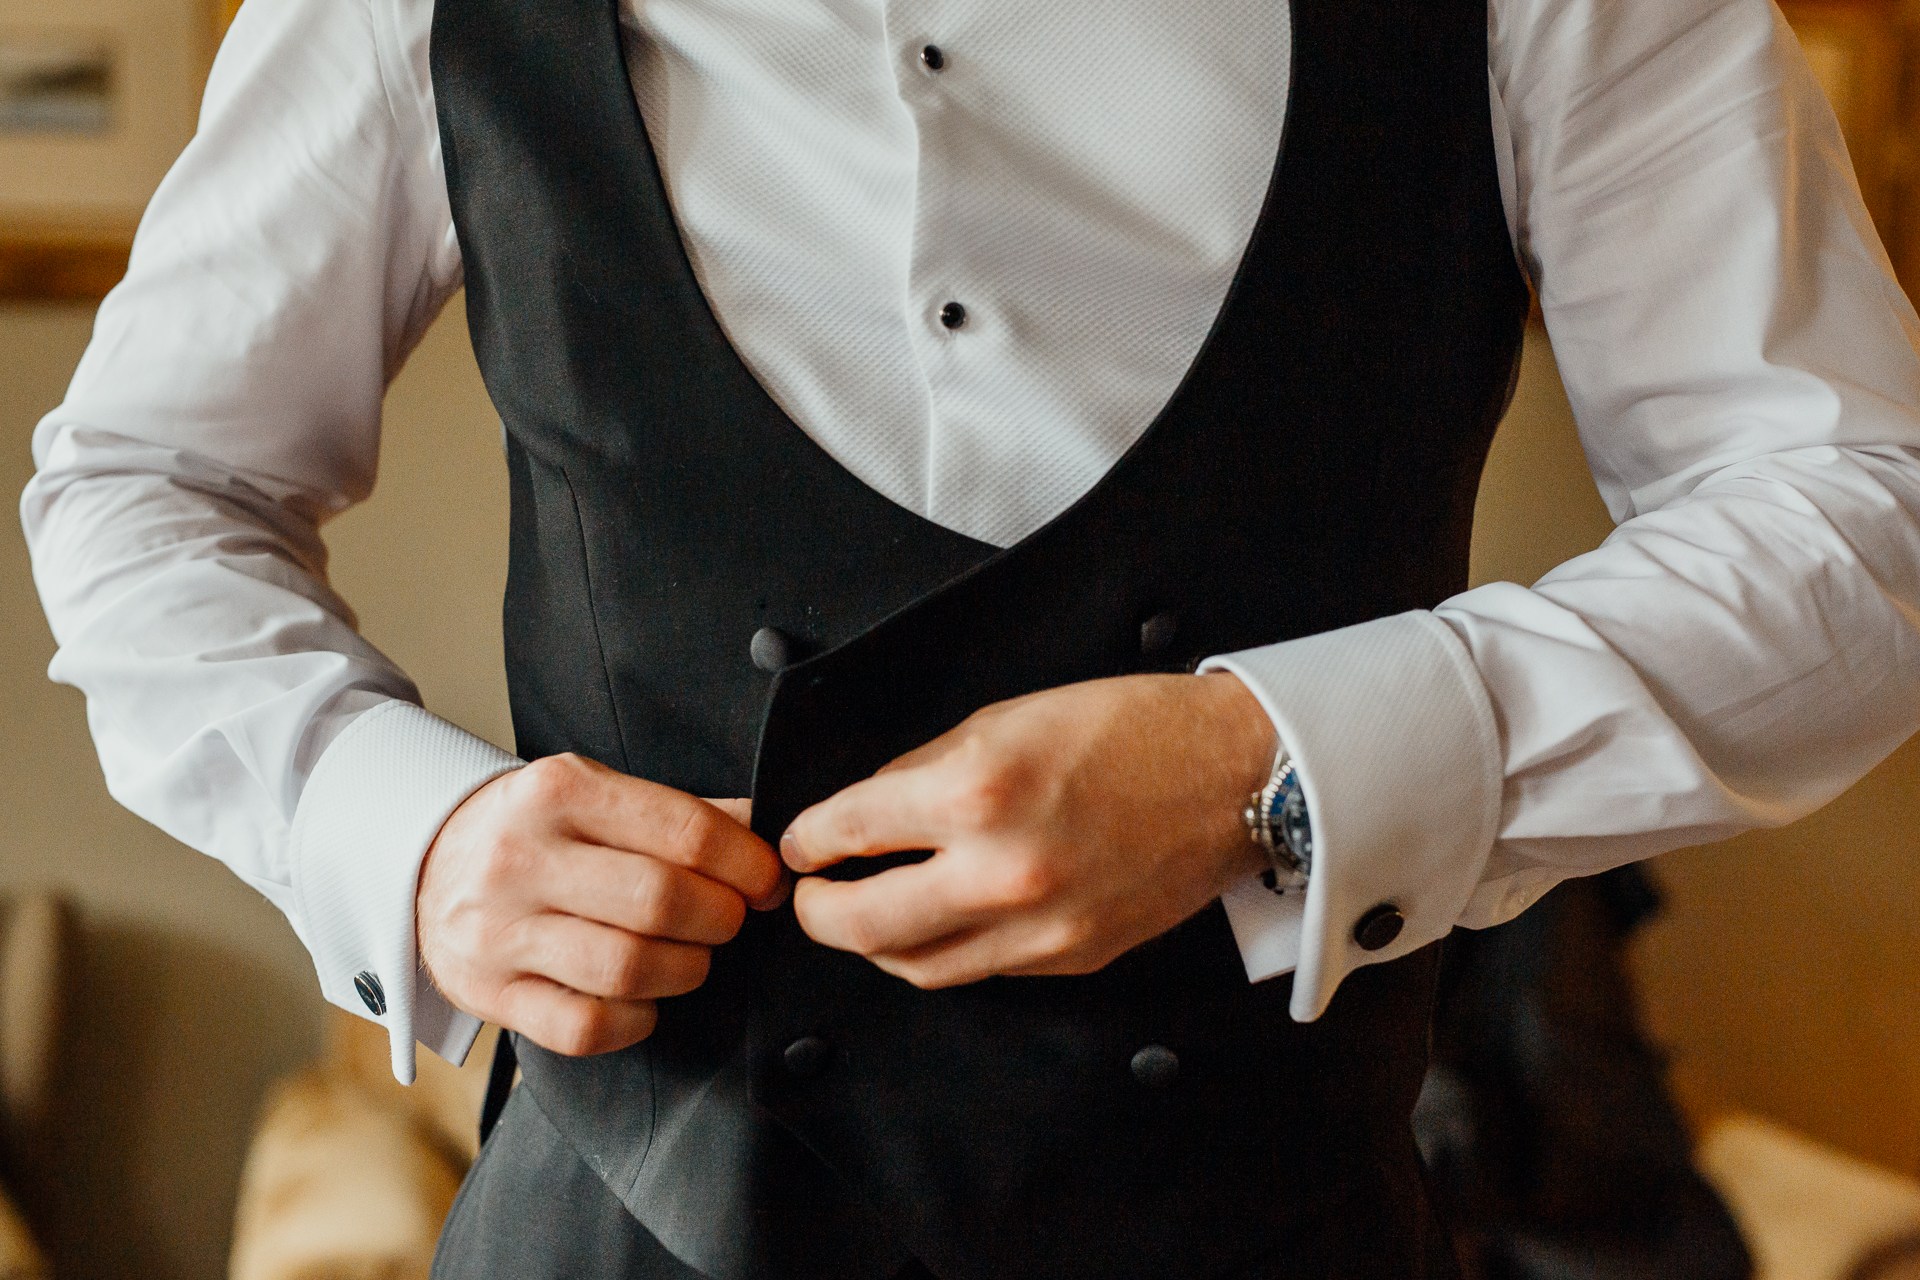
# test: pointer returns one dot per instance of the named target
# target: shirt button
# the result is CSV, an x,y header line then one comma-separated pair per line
x,y
769,649
1155,1066
953,315
1379,927
807,1057
933,58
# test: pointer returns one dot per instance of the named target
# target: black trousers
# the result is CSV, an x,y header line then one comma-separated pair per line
x,y
531,1210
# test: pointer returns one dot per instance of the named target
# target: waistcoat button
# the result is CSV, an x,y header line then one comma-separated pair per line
x,y
769,649
1379,927
807,1057
953,315
1157,632
1155,1066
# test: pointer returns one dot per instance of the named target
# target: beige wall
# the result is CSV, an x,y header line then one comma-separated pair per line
x,y
1784,975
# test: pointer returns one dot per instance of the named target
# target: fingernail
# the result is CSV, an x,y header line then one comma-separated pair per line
x,y
790,851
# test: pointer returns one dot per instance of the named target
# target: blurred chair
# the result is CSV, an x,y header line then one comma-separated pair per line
x,y
350,1174
37,947
1810,1212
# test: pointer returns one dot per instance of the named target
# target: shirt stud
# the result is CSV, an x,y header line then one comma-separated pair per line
x,y
770,650
933,58
953,315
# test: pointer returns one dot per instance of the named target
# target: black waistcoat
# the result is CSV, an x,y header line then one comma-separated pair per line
x,y
1317,467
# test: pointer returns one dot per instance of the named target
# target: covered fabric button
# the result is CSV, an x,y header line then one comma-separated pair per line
x,y
770,650
807,1056
372,994
1379,927
1157,632
1155,1066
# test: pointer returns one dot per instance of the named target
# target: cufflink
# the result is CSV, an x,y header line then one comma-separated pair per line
x,y
372,994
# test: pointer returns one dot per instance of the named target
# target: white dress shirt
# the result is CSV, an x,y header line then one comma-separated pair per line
x,y
1084,177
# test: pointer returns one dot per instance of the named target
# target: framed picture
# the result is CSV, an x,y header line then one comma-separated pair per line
x,y
97,97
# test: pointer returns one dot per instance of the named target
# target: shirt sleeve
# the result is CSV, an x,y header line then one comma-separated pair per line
x,y
228,404
1743,647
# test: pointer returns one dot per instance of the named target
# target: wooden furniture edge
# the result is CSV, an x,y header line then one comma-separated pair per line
x,y
79,268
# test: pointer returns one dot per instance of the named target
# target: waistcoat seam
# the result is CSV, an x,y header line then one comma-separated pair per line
x,y
593,620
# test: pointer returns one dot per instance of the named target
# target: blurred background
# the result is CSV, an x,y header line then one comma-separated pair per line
x,y
1781,978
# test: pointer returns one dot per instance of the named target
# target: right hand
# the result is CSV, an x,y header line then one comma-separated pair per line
x,y
561,900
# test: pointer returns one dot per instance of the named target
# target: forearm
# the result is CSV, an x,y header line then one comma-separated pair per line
x,y
228,405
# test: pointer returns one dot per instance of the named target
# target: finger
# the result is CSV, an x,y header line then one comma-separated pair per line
x,y
1014,946
895,911
601,806
909,808
558,1018
642,895
739,809
595,960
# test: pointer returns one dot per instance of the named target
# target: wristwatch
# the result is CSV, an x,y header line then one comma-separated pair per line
x,y
1277,821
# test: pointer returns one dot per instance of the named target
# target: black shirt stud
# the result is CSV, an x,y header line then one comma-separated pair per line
x,y
770,650
1379,927
933,58
372,994
953,315
1155,1066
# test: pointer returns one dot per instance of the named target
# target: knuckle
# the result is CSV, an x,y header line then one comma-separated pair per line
x,y
843,827
1068,941
981,795
693,832
625,970
860,936
505,861
552,781
652,901
1023,882
569,1028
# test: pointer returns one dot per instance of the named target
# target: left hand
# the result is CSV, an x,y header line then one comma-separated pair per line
x,y
1068,827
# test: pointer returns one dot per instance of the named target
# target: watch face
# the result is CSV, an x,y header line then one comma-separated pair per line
x,y
1295,827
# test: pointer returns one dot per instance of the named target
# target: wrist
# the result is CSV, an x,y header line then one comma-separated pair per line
x,y
1244,742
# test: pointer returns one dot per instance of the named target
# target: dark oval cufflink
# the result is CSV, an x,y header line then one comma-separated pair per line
x,y
372,994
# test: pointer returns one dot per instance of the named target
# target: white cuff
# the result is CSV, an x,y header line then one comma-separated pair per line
x,y
1394,736
375,801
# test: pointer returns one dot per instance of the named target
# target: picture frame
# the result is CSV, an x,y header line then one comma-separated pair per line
x,y
97,98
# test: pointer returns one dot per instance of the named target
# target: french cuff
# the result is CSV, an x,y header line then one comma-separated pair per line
x,y
1393,734
373,804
